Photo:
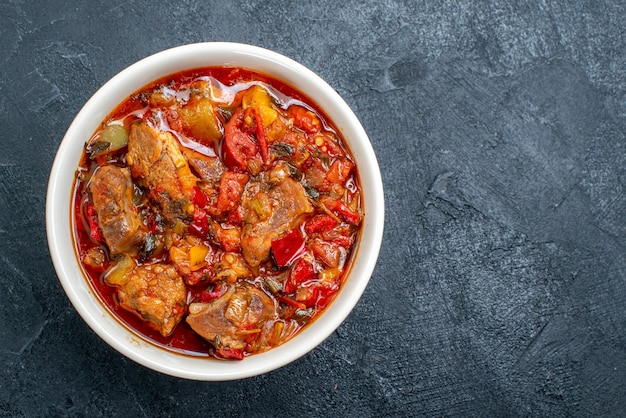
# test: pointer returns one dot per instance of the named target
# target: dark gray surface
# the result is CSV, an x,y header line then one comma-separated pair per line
x,y
500,131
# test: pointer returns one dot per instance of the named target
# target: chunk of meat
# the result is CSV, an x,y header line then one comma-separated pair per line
x,y
231,268
155,159
95,259
280,209
155,291
209,169
234,318
229,239
112,196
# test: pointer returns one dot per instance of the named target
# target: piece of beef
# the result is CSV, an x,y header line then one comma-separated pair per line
x,y
269,212
155,291
209,169
112,196
231,319
155,159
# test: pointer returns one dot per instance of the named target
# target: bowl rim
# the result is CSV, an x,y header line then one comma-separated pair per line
x,y
60,186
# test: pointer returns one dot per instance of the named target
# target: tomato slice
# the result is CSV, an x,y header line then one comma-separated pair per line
x,y
328,252
339,171
304,119
238,146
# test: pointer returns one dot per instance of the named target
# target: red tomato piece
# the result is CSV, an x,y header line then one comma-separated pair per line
x,y
319,224
260,136
92,218
339,171
200,224
301,272
209,296
332,148
288,248
229,353
199,198
304,119
238,146
343,241
328,252
318,294
231,188
195,277
325,294
344,212
235,217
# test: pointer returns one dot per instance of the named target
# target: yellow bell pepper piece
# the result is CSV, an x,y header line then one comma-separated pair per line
x,y
329,275
260,98
117,276
197,255
199,117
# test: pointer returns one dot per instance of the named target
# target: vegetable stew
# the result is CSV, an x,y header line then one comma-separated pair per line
x,y
216,212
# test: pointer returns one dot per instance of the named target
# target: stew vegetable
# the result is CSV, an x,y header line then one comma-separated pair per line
x,y
216,212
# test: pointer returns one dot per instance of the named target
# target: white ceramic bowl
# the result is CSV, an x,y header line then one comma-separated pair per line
x,y
59,197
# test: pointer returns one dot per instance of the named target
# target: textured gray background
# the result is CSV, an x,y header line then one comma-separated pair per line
x,y
500,130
